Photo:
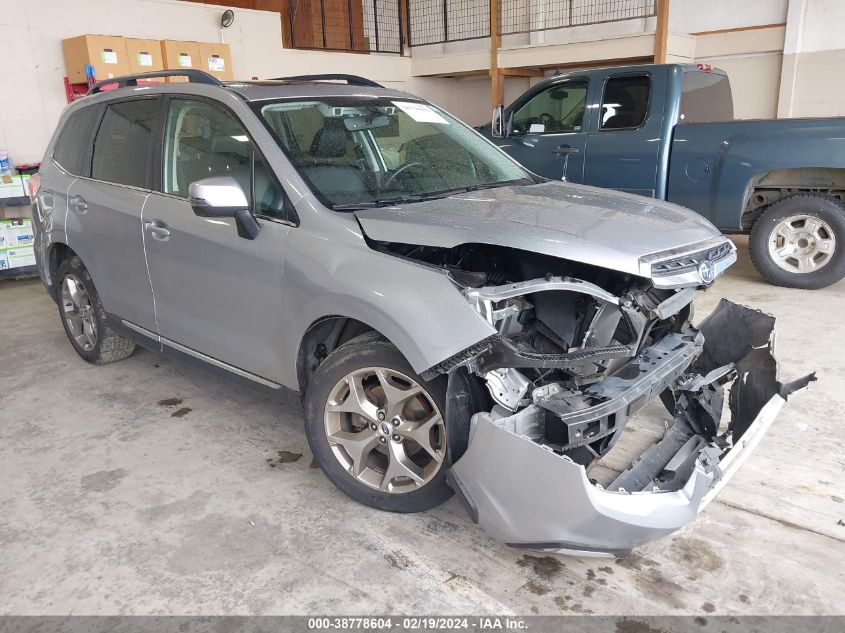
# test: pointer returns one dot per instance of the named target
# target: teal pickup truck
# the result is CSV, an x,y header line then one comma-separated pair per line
x,y
667,131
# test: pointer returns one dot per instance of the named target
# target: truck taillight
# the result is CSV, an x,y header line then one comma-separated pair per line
x,y
705,67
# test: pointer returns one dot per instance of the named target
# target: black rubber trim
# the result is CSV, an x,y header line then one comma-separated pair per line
x,y
555,545
457,486
352,80
193,75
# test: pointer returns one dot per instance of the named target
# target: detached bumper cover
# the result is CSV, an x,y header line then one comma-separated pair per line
x,y
529,496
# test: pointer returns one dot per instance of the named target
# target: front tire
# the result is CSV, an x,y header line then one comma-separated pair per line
x,y
799,242
376,428
84,318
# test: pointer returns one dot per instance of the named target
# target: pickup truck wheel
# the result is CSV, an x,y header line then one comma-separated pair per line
x,y
799,242
84,318
376,428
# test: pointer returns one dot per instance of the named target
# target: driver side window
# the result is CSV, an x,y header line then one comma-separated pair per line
x,y
558,108
203,140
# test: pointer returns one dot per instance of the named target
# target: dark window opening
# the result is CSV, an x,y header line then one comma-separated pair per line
x,y
73,146
625,102
122,147
706,97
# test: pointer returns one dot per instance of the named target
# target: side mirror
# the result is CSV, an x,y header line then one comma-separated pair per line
x,y
502,125
497,127
222,197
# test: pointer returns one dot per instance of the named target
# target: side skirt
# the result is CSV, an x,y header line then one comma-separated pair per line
x,y
171,349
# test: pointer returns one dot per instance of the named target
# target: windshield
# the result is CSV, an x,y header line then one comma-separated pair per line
x,y
360,152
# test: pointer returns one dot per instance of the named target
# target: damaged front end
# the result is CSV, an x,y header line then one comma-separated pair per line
x,y
548,398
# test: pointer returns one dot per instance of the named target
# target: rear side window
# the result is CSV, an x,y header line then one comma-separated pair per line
x,y
625,102
706,97
122,147
73,147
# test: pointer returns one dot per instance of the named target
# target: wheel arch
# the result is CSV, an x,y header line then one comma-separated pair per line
x,y
58,252
774,185
321,338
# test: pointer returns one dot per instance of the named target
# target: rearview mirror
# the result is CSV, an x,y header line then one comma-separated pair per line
x,y
222,197
356,123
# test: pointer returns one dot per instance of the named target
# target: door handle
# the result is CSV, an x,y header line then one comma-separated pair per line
x,y
78,204
158,230
566,151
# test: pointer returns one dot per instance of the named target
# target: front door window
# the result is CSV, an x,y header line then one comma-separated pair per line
x,y
558,108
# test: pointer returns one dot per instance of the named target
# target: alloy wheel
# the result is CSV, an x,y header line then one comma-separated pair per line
x,y
385,430
79,312
802,244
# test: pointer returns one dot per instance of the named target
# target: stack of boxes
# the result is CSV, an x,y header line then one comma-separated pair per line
x,y
16,242
16,237
107,56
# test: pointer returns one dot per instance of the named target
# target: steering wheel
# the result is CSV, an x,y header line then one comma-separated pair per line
x,y
549,122
392,178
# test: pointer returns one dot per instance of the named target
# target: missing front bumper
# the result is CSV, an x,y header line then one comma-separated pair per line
x,y
527,495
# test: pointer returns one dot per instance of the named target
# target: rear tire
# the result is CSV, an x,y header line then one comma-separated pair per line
x,y
370,450
799,242
84,318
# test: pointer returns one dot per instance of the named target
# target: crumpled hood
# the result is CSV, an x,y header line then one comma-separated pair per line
x,y
595,226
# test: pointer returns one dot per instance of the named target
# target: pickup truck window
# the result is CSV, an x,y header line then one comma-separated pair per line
x,y
706,97
559,108
625,102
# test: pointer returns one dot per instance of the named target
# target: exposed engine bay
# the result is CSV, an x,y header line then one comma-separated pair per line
x,y
578,351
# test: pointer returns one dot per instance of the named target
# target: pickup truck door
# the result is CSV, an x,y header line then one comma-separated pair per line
x,y
549,130
626,133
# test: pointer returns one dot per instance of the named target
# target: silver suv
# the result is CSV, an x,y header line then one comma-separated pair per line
x,y
453,322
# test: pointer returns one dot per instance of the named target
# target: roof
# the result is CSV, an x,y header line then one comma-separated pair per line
x,y
269,89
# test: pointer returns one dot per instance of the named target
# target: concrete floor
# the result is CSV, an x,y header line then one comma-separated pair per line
x,y
146,486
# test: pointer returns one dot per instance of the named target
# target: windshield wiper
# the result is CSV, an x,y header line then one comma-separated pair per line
x,y
482,185
381,202
434,195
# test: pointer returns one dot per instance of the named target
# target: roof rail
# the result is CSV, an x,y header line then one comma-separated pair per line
x,y
193,75
352,80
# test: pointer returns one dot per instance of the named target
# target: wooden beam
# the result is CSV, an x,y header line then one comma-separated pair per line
x,y
737,29
403,25
521,72
661,34
497,79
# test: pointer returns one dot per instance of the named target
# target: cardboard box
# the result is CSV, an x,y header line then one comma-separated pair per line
x,y
20,257
216,59
17,232
143,56
13,187
179,55
4,259
106,53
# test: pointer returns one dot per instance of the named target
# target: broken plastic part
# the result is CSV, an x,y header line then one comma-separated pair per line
x,y
501,470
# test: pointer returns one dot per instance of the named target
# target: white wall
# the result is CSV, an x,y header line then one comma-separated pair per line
x,y
695,16
31,88
32,93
